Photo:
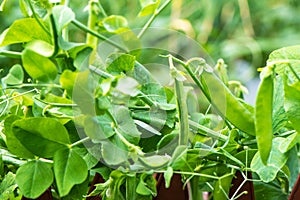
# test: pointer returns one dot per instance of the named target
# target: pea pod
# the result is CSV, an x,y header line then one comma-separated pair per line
x,y
221,98
263,114
227,104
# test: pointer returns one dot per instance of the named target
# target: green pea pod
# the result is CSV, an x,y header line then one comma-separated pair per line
x,y
227,104
263,114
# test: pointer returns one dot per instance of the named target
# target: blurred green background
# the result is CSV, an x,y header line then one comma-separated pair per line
x,y
242,32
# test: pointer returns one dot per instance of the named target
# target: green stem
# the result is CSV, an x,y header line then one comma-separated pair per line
x,y
183,113
128,144
102,37
56,104
102,9
80,142
11,54
32,85
92,22
155,14
36,17
55,36
207,131
21,94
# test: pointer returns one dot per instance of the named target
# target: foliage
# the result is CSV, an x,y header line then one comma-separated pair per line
x,y
70,109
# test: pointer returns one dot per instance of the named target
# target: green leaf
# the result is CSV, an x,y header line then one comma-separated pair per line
x,y
113,154
41,47
127,86
15,76
41,136
62,17
276,161
38,66
126,123
289,142
34,178
8,186
267,191
69,169
148,7
115,24
24,30
155,161
99,127
285,58
292,103
279,115
222,186
118,63
13,144
67,80
146,186
168,176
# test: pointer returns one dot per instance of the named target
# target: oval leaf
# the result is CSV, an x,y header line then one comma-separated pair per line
x,y
62,17
15,76
115,23
41,136
69,169
38,66
34,178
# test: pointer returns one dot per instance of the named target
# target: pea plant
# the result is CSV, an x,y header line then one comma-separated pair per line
x,y
73,109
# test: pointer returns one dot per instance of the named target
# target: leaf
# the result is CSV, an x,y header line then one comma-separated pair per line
x,y
15,76
126,124
99,127
168,176
41,136
267,191
155,161
292,103
113,154
115,24
222,187
276,161
67,80
38,66
62,17
127,86
41,47
146,186
146,127
120,63
24,30
284,58
13,144
279,115
289,142
34,178
148,7
69,169
8,186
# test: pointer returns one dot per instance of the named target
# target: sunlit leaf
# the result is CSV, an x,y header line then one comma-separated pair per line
x,y
34,178
62,16
69,169
15,75
115,23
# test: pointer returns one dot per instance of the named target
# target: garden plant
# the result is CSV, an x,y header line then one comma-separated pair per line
x,y
97,98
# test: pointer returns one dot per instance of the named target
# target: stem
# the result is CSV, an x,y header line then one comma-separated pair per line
x,y
55,36
36,17
209,132
128,144
80,142
92,22
191,173
155,14
33,85
11,54
102,9
102,37
10,98
56,104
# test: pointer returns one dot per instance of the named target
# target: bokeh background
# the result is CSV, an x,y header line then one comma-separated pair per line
x,y
242,32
